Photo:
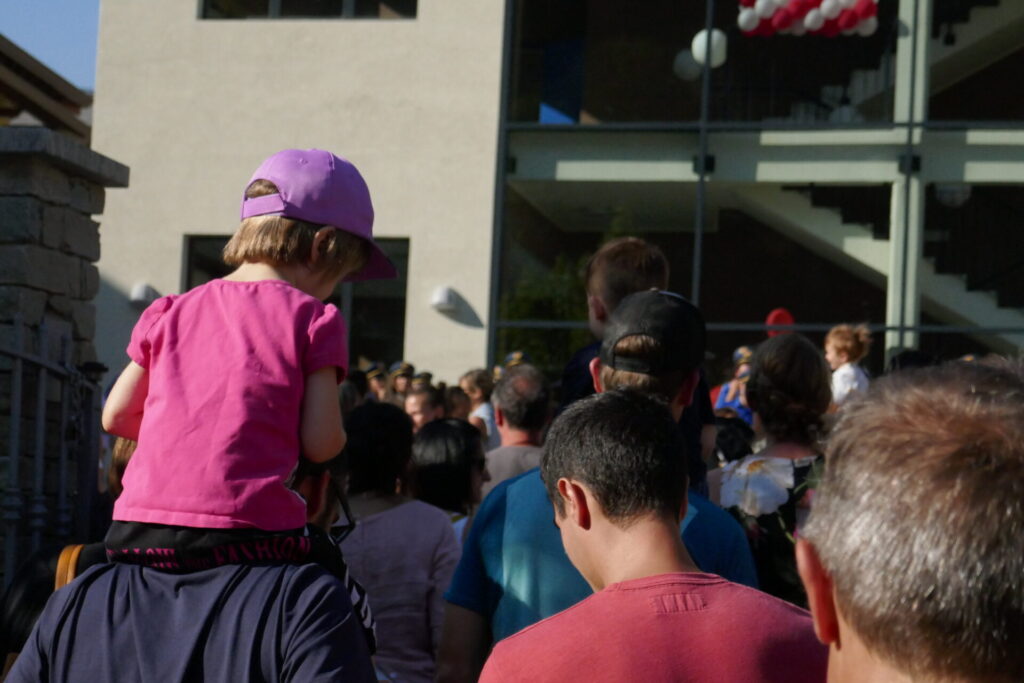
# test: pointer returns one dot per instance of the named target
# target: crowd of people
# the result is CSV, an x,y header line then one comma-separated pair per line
x,y
627,522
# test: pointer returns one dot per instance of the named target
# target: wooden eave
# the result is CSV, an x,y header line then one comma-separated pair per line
x,y
28,84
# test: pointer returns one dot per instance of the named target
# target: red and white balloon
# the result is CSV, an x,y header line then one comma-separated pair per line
x,y
813,17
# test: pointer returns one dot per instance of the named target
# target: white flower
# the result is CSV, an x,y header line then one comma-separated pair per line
x,y
757,485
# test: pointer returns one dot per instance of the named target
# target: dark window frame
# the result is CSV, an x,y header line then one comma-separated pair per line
x,y
349,11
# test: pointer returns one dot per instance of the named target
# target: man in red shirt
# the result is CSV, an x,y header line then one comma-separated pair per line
x,y
611,466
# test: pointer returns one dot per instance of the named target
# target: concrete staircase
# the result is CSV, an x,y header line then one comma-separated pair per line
x,y
967,36
857,248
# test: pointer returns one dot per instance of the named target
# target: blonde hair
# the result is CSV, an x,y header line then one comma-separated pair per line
x,y
281,241
121,453
665,386
480,379
855,342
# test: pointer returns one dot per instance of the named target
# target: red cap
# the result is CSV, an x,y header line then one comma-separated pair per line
x,y
779,316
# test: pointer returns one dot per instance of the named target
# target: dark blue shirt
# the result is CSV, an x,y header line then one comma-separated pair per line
x,y
126,623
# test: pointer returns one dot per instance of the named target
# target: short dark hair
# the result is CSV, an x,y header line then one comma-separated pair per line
x,y
453,395
378,449
523,396
431,394
625,446
623,266
919,520
790,388
444,454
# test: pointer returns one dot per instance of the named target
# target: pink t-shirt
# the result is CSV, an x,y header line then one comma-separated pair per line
x,y
226,364
671,627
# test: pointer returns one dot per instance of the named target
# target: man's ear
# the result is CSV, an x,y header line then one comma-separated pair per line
x,y
574,502
499,416
598,310
595,374
820,597
685,395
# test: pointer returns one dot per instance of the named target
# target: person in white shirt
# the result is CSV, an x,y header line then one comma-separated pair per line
x,y
845,346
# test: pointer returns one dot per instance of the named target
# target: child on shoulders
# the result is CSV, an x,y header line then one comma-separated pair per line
x,y
231,382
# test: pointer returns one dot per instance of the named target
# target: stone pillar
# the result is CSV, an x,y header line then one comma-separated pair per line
x,y
50,188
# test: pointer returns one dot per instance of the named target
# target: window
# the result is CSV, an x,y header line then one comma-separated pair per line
x,y
308,9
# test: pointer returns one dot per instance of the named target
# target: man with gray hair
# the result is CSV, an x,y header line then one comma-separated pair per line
x,y
913,556
522,409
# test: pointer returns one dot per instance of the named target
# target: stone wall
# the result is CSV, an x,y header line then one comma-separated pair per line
x,y
50,187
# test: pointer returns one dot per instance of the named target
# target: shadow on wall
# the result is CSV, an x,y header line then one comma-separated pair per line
x,y
115,318
454,306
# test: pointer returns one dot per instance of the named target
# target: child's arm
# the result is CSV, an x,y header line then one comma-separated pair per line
x,y
322,432
122,413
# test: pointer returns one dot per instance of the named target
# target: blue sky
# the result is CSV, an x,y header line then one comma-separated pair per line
x,y
59,33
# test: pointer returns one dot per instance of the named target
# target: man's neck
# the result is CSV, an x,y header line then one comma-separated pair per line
x,y
850,661
518,437
648,547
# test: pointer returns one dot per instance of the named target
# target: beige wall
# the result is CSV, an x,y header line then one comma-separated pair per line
x,y
193,106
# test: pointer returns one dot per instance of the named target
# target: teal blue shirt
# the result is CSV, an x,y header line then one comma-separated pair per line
x,y
515,572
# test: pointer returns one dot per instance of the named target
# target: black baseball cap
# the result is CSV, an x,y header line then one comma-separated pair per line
x,y
666,317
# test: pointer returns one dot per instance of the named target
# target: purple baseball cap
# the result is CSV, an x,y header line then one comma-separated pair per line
x,y
318,187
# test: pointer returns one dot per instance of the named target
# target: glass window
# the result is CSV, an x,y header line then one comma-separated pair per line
x,y
594,62
749,267
235,9
973,231
548,349
311,8
297,9
551,228
203,260
981,95
376,310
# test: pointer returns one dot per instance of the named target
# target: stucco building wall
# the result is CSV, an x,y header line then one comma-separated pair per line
x,y
193,106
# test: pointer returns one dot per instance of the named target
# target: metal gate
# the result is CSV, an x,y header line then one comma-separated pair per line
x,y
53,443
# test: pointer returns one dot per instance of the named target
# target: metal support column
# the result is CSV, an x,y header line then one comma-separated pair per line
x,y
37,512
12,501
906,225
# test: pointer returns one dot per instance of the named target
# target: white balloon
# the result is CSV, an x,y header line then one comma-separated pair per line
x,y
748,19
765,8
868,26
830,9
814,20
848,4
797,28
685,67
719,45
781,3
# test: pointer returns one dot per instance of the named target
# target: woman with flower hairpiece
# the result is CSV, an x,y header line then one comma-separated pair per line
x,y
769,492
